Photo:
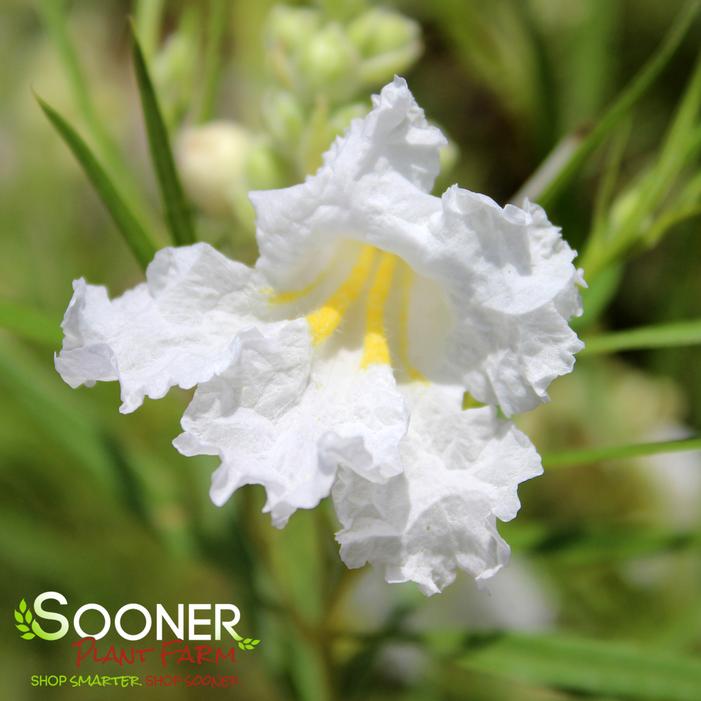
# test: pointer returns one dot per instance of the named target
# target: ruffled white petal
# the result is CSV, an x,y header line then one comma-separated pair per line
x,y
353,193
509,280
278,419
177,328
461,473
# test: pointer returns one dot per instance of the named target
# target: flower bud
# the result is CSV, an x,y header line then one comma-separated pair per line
x,y
263,169
328,63
211,160
283,116
291,27
287,31
387,41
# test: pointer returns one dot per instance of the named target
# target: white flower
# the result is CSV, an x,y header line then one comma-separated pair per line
x,y
342,357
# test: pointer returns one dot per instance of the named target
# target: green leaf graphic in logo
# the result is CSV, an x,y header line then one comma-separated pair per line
x,y
245,643
27,625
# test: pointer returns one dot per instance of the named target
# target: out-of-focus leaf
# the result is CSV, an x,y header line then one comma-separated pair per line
x,y
177,210
577,664
30,324
129,226
54,16
576,546
585,456
680,333
216,22
147,22
622,106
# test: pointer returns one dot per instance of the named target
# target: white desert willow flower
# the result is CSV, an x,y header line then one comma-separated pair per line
x,y
338,364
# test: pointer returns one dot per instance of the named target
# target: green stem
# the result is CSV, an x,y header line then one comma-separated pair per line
x,y
587,456
682,333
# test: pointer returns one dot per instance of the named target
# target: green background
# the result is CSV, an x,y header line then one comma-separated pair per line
x,y
603,597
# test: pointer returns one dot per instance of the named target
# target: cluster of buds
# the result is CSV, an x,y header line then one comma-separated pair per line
x,y
318,69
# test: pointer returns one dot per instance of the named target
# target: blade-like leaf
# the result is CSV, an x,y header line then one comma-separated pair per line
x,y
578,664
570,458
133,232
147,21
622,106
602,544
683,333
177,210
54,16
217,21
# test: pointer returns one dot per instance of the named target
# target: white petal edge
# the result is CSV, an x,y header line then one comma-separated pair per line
x,y
177,328
461,473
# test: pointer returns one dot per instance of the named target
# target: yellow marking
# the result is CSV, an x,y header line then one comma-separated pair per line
x,y
294,295
406,282
375,346
325,320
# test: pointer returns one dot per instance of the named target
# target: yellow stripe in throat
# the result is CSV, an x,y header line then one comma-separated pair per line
x,y
375,346
406,283
325,320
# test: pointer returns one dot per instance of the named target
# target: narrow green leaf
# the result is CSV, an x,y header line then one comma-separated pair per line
x,y
28,616
22,628
682,333
54,17
570,458
147,20
216,22
582,665
30,324
133,232
28,636
19,617
23,606
177,210
595,544
622,106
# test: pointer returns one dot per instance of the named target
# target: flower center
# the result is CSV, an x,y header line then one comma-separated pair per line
x,y
380,270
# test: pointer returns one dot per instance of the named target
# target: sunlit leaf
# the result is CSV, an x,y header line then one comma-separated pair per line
x,y
681,333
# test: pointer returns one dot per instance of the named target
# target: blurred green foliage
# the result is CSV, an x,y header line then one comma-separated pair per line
x,y
604,596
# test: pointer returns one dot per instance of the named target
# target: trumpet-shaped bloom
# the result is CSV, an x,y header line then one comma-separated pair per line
x,y
339,362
